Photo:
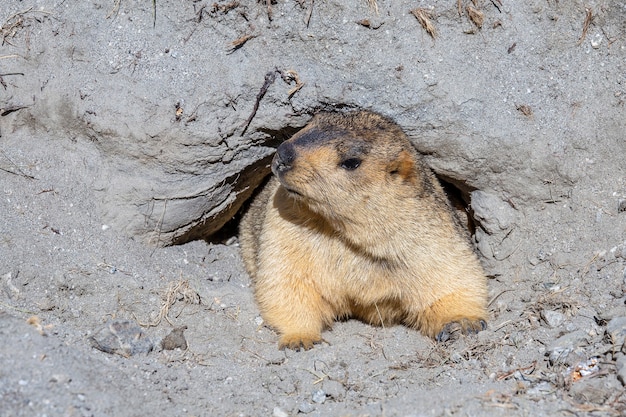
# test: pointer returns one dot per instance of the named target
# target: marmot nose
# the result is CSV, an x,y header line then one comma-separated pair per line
x,y
283,160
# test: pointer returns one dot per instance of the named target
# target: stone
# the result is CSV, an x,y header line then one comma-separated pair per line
x,y
561,348
175,339
122,337
306,408
493,214
616,330
11,290
552,318
279,412
319,396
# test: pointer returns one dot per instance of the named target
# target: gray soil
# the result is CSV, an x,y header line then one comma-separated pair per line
x,y
100,317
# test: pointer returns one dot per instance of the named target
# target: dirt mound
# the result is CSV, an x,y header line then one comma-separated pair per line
x,y
124,131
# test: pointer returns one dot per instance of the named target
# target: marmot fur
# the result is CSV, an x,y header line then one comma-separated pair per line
x,y
353,224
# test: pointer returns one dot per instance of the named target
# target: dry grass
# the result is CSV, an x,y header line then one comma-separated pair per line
x,y
424,16
16,22
373,5
176,291
476,16
555,301
586,23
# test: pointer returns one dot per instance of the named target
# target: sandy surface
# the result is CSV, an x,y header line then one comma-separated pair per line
x,y
69,276
85,310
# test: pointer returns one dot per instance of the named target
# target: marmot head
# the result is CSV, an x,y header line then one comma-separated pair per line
x,y
354,168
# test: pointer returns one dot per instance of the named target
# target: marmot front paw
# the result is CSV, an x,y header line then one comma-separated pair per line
x,y
298,341
451,331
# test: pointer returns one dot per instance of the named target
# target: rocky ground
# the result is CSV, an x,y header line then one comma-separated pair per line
x,y
94,322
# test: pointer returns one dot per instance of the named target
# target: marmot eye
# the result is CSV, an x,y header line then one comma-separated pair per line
x,y
351,164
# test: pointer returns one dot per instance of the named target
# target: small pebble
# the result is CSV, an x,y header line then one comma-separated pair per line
x,y
543,255
306,408
11,290
616,329
493,214
122,337
60,378
319,396
46,304
175,340
596,41
564,345
456,357
518,339
552,318
279,412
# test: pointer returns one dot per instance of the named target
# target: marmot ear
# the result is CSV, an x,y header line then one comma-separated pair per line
x,y
404,166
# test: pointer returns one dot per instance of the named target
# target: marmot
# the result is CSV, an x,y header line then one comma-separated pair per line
x,y
354,225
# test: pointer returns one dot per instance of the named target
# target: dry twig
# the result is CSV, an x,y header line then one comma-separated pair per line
x,y
10,27
238,43
497,4
270,77
586,24
525,110
17,168
223,8
290,76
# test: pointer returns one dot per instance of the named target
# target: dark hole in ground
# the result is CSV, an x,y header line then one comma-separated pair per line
x,y
231,229
458,193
